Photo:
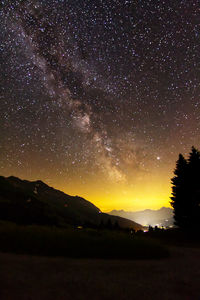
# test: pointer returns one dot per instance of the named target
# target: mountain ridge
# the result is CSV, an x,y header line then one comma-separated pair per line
x,y
158,217
34,202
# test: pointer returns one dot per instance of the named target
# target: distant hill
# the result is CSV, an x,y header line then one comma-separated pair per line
x,y
26,202
161,217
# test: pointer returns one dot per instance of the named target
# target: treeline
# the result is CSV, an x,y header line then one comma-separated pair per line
x,y
107,225
185,198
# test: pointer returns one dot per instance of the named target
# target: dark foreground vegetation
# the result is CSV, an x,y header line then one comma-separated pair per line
x,y
78,243
66,266
174,237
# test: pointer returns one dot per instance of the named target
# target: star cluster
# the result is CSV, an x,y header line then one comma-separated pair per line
x,y
99,97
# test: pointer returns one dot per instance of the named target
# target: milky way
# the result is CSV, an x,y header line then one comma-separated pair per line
x,y
99,97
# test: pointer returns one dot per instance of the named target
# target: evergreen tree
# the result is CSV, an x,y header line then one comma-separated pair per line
x,y
109,224
101,225
186,191
180,192
116,226
194,183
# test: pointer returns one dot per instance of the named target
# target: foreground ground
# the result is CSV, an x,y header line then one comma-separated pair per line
x,y
27,277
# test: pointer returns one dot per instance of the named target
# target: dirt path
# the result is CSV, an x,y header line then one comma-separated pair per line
x,y
27,278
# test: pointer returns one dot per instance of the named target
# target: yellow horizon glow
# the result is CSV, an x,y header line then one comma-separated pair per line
x,y
152,195
151,191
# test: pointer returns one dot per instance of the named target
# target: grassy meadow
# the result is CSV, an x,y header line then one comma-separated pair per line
x,y
77,243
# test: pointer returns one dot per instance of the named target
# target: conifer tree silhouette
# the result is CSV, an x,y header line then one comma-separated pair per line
x,y
186,191
109,224
180,192
194,183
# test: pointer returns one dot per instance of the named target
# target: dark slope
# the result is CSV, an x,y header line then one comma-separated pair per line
x,y
26,202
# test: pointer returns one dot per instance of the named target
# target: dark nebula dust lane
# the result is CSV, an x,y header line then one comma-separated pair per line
x,y
98,98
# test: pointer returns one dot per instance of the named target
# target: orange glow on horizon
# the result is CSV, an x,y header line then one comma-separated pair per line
x,y
149,191
151,195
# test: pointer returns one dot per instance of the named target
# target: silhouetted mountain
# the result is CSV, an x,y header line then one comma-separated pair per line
x,y
161,217
26,202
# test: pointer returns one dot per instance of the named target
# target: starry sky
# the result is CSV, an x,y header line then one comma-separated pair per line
x,y
97,98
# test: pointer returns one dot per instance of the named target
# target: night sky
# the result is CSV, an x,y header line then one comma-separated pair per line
x,y
97,98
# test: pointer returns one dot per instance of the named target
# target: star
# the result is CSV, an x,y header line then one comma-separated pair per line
x,y
92,91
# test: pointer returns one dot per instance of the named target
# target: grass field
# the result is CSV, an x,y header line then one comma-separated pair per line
x,y
88,243
91,264
24,277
